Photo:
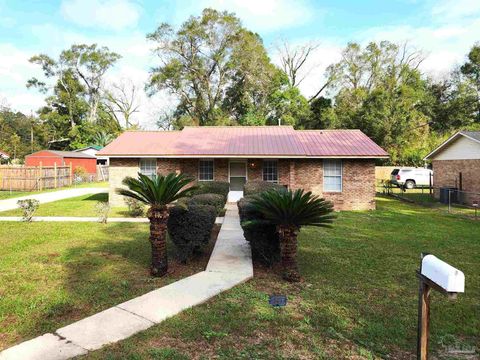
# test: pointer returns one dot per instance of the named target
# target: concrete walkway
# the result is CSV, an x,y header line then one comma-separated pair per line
x,y
230,264
46,197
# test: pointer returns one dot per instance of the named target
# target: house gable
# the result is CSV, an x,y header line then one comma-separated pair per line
x,y
459,147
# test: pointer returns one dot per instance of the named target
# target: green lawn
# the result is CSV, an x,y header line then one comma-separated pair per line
x,y
77,206
5,194
52,274
358,300
423,197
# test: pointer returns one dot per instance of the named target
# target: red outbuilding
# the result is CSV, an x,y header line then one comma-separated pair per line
x,y
62,158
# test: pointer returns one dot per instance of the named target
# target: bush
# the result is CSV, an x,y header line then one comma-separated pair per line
x,y
213,187
80,174
29,206
261,235
135,207
102,208
256,187
190,227
215,200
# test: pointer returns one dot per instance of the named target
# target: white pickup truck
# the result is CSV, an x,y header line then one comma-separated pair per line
x,y
410,178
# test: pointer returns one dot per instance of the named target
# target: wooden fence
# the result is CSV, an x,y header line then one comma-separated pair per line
x,y
29,178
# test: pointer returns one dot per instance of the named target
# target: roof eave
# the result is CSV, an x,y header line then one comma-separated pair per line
x,y
243,156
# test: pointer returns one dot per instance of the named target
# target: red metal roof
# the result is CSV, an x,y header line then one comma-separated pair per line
x,y
244,141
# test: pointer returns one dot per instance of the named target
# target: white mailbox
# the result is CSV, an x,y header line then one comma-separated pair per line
x,y
444,275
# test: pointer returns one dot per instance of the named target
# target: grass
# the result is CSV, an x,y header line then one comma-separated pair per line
x,y
52,274
423,197
358,299
5,194
77,206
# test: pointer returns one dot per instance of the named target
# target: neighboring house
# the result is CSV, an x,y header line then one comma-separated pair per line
x,y
92,150
336,164
63,158
456,164
4,157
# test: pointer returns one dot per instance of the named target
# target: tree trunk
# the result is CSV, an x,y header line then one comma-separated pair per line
x,y
158,217
288,252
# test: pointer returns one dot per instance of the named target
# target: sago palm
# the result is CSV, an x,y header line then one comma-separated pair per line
x,y
157,192
289,211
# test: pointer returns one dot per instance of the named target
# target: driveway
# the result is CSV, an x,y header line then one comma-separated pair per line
x,y
10,204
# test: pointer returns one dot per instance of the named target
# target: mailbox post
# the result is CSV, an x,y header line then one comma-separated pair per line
x,y
438,275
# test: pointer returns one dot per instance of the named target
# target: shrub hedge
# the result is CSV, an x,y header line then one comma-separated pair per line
x,y
213,187
262,236
256,187
190,227
216,200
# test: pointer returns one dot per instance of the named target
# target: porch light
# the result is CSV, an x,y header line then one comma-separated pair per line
x,y
252,165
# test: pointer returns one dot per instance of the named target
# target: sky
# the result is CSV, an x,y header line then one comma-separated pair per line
x,y
444,30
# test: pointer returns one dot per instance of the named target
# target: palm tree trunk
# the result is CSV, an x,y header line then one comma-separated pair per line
x,y
288,252
158,217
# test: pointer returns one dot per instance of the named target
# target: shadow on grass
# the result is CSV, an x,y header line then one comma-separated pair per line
x,y
97,197
107,272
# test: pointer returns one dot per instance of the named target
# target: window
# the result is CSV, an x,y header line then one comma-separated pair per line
x,y
148,167
205,170
332,175
270,171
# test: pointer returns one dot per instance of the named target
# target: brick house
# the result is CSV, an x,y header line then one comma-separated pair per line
x,y
336,164
456,164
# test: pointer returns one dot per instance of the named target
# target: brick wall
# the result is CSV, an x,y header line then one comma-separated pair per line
x,y
446,174
358,182
358,177
120,168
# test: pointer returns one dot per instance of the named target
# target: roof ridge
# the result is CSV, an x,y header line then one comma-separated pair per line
x,y
151,131
344,130
238,126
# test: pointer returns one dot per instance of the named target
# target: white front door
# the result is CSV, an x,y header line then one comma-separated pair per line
x,y
237,171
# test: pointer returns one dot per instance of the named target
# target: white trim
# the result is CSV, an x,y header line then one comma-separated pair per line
x,y
446,142
240,157
198,168
341,179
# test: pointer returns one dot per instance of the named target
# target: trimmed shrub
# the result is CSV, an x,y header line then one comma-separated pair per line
x,y
213,187
256,187
80,174
28,206
215,200
190,227
261,235
102,209
135,207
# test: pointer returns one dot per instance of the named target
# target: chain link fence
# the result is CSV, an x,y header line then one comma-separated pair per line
x,y
450,200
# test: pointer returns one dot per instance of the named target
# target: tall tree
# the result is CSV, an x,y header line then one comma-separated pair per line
x,y
471,70
218,70
66,86
78,70
294,60
380,91
90,63
122,101
21,134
